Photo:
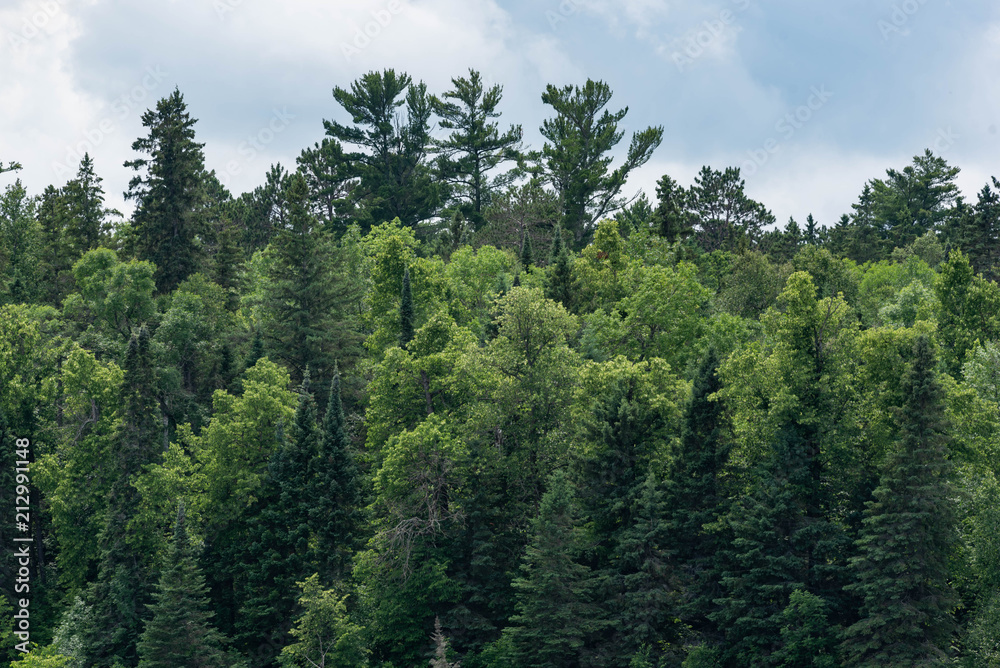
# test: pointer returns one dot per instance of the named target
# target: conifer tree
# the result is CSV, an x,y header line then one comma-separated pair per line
x,y
559,283
180,632
85,202
527,255
907,538
123,586
281,553
336,492
57,249
557,606
695,496
170,196
406,311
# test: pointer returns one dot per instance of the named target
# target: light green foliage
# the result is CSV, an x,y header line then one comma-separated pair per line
x,y
662,316
45,657
20,241
472,276
970,309
915,302
601,268
78,476
325,634
882,282
807,640
751,286
982,372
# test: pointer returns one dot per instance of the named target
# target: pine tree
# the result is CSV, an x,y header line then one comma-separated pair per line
x,y
557,606
57,249
281,553
907,538
169,198
336,492
559,283
123,585
475,146
406,311
671,218
179,632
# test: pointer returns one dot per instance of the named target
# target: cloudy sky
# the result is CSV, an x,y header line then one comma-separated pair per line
x,y
810,99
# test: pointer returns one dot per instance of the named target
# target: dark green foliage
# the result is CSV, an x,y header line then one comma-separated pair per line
x,y
476,146
170,194
87,225
406,311
575,157
557,606
335,505
179,631
672,219
281,553
395,181
527,255
559,280
308,324
330,178
696,498
123,585
908,537
724,217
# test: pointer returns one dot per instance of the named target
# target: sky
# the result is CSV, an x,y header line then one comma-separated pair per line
x,y
809,99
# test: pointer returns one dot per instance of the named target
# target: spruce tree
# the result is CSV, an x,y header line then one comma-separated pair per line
x,y
123,584
557,606
406,311
309,325
57,249
559,283
281,552
180,632
527,254
908,536
170,195
85,202
335,513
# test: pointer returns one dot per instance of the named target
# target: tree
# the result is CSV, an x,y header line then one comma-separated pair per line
x,y
56,248
476,146
725,218
122,587
395,179
557,612
330,177
169,196
87,224
527,255
324,633
406,311
671,218
335,509
575,157
179,631
282,552
907,538
911,202
19,245
559,279
307,322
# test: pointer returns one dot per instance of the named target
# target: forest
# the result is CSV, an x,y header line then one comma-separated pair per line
x,y
431,396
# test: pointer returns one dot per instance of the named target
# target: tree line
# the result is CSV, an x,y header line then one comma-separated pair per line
x,y
430,401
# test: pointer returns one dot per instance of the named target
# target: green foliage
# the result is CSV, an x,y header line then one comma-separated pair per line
x,y
906,542
324,632
575,157
169,192
724,217
20,241
178,631
45,657
806,636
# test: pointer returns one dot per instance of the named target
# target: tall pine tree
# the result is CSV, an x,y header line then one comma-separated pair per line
x,y
907,538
